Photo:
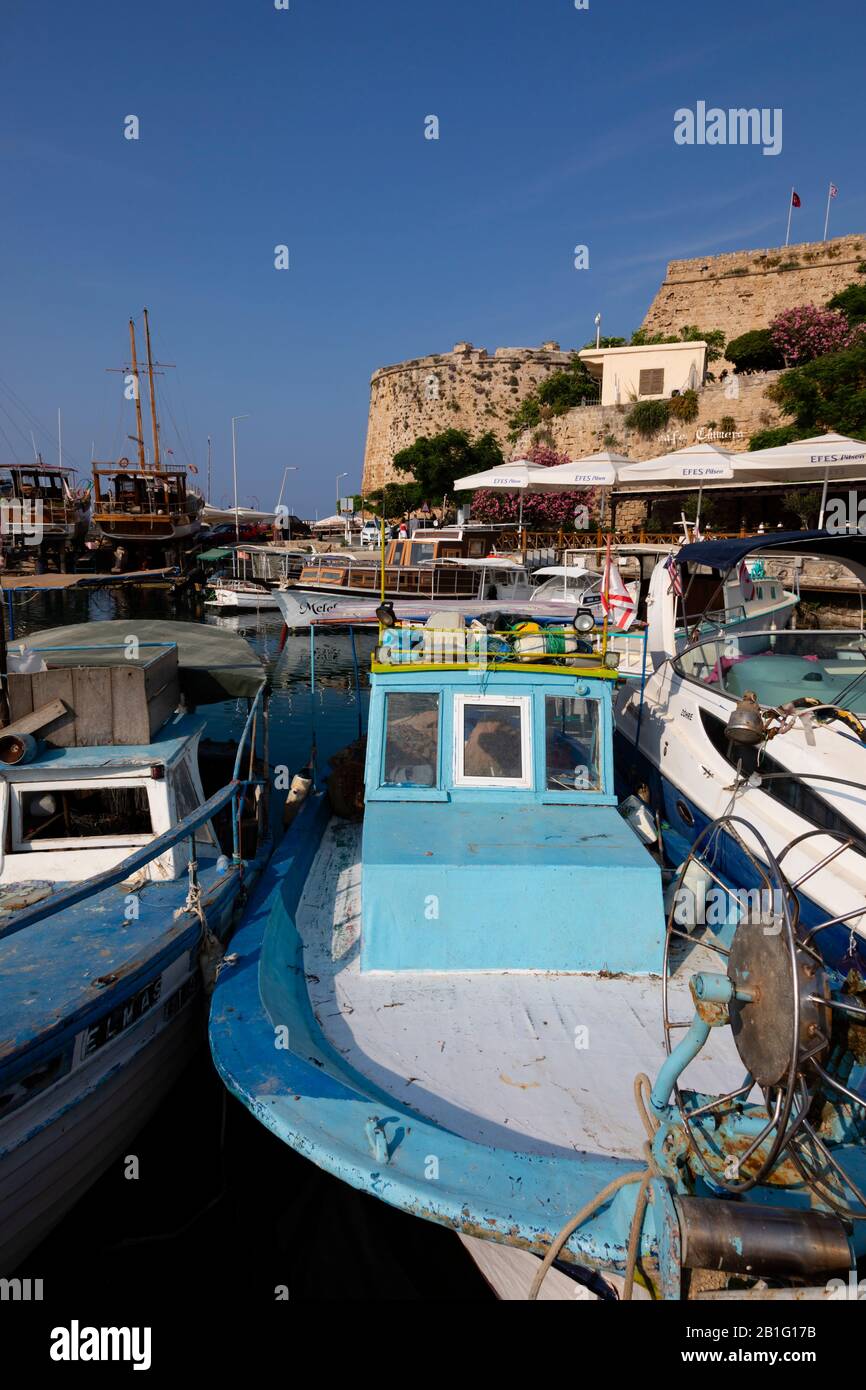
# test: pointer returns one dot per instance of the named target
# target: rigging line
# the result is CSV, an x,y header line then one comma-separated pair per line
x,y
32,420
9,445
15,425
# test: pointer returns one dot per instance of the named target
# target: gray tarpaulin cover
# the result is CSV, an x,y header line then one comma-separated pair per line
x,y
213,664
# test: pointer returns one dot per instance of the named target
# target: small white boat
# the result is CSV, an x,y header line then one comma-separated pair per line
x,y
234,595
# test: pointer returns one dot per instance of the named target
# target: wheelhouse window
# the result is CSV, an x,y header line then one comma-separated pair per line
x,y
492,741
60,816
572,745
411,739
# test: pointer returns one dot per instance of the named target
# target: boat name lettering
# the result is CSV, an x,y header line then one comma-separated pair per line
x,y
127,1013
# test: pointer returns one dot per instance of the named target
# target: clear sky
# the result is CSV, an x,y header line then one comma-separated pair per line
x,y
305,127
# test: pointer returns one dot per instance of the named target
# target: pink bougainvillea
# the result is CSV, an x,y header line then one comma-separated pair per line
x,y
541,511
807,332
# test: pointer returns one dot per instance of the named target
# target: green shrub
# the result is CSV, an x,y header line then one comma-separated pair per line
x,y
648,417
771,439
754,352
852,302
684,407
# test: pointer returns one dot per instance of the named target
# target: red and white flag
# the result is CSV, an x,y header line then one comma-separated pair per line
x,y
795,199
834,192
616,600
746,584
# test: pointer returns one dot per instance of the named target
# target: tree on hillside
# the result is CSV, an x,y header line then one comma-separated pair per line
x,y
689,333
852,303
541,511
556,394
807,332
754,352
828,393
434,461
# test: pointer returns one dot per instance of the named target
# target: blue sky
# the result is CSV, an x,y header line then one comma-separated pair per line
x,y
260,127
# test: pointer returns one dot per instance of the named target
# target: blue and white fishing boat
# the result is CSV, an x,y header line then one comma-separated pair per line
x,y
124,866
798,698
453,1004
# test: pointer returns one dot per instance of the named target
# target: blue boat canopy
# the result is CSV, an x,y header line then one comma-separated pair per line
x,y
725,555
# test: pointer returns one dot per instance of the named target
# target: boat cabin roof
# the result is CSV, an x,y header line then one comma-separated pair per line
x,y
166,747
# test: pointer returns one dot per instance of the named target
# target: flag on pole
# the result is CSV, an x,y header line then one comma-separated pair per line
x,y
794,203
746,584
616,599
673,570
832,192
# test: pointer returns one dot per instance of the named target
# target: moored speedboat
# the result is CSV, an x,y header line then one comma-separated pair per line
x,y
801,782
126,864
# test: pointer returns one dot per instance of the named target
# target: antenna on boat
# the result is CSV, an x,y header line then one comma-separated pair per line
x,y
156,463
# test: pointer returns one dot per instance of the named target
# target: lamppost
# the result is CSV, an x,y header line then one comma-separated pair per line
x,y
289,468
235,419
340,477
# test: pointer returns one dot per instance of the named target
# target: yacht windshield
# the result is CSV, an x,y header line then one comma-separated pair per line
x,y
827,667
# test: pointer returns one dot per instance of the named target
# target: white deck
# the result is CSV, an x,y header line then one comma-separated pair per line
x,y
493,1056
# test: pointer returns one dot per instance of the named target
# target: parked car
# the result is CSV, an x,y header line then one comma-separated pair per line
x,y
371,532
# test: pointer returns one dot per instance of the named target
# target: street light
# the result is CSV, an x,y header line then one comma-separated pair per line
x,y
289,468
235,419
340,477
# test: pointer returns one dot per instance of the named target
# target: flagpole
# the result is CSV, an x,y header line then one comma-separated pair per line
x,y
790,210
827,213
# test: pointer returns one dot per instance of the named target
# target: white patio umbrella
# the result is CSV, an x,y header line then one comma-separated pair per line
x,y
823,456
690,467
599,470
520,475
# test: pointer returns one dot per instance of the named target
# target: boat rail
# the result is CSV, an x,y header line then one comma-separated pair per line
x,y
233,792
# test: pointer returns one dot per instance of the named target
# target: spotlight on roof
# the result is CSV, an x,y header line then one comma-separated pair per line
x,y
386,615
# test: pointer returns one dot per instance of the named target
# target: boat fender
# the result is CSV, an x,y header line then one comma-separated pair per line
x,y
295,797
640,818
688,903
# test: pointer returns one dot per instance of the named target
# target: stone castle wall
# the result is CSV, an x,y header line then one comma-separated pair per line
x,y
472,390
465,389
747,289
729,413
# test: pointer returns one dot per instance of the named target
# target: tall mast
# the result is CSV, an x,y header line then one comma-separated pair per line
x,y
140,436
156,463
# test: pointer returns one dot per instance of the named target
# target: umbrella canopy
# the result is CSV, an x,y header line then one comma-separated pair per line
x,y
823,456
520,475
804,459
688,468
592,470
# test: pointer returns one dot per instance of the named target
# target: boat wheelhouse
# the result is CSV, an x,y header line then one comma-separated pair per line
x,y
40,506
143,504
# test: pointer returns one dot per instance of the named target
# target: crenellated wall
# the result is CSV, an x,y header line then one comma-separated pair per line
x,y
742,290
475,391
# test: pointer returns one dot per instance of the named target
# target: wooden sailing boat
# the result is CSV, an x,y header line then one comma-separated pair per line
x,y
147,502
